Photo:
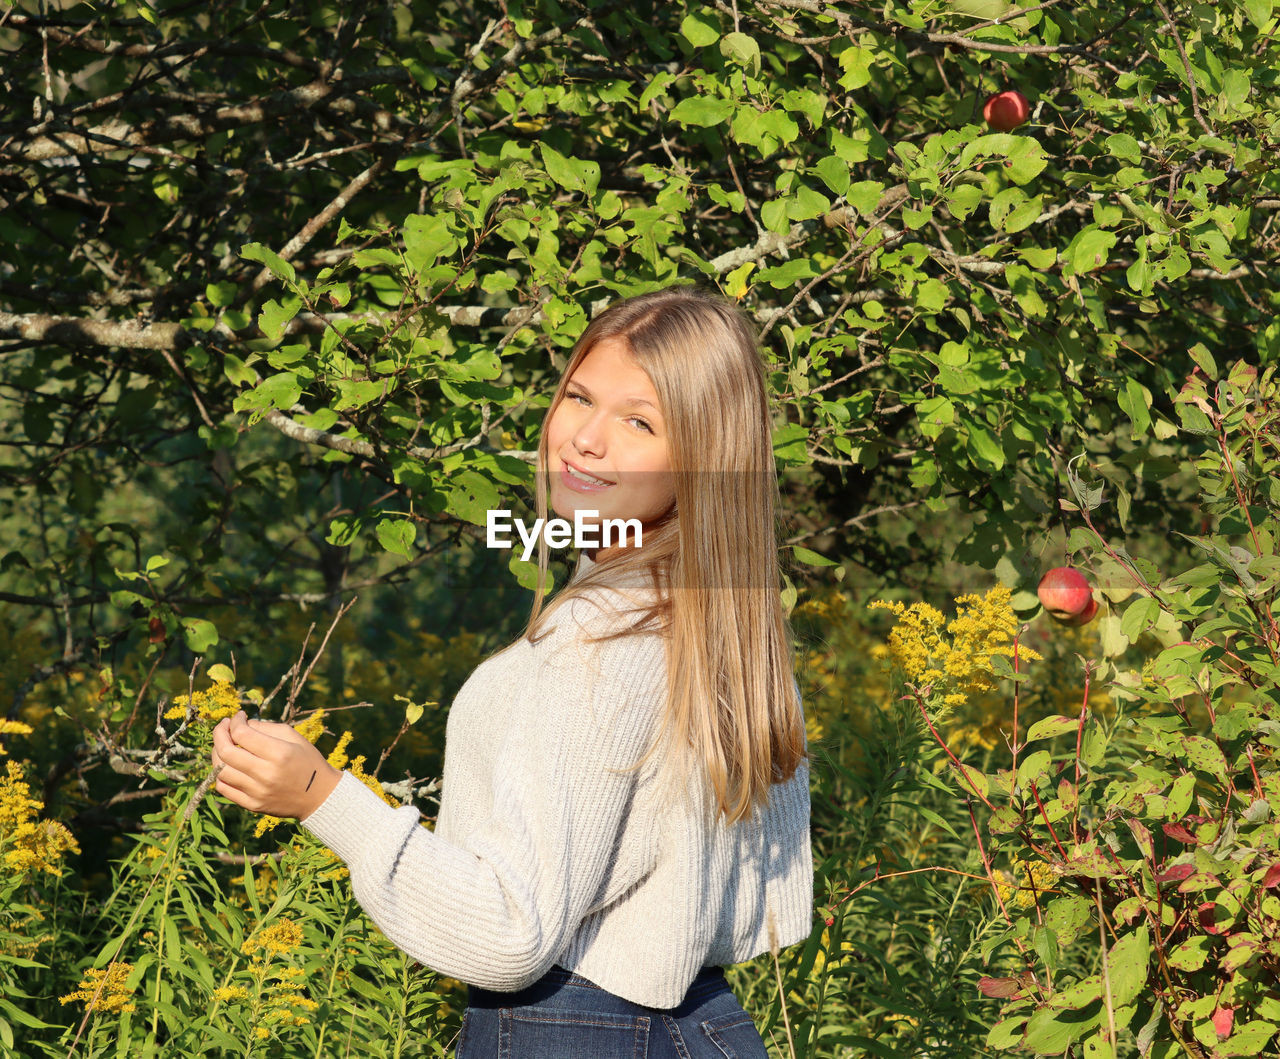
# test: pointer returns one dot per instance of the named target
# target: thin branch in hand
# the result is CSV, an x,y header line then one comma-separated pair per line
x,y
300,683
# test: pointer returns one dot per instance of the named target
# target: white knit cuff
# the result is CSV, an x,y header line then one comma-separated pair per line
x,y
345,820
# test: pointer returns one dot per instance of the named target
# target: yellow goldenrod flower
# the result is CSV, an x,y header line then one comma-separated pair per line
x,y
955,658
16,803
13,728
338,756
357,770
103,989
279,938
1033,878
312,727
29,843
231,994
339,871
213,704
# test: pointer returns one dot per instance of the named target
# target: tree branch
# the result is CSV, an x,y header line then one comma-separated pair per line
x,y
120,135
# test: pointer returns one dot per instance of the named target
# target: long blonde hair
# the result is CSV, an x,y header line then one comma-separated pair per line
x,y
733,703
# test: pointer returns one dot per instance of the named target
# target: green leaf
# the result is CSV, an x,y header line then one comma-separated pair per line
x,y
1049,727
199,634
1099,1046
699,28
1204,359
572,174
220,295
788,274
1004,820
983,448
1067,916
1007,1033
1123,146
343,531
1249,1039
1089,249
1191,954
281,390
1127,966
973,780
834,172
1135,402
935,415
1138,617
741,50
774,215
526,572
1008,200
275,315
276,265
1204,754
810,558
426,239
963,199
471,497
236,371
1259,12
856,63
864,196
789,443
1024,215
1051,1030
1022,157
704,111
221,673
21,1017
36,424
397,535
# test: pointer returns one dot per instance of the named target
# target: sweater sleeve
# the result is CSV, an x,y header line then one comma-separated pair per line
x,y
497,908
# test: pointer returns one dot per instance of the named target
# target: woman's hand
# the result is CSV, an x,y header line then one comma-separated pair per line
x,y
270,768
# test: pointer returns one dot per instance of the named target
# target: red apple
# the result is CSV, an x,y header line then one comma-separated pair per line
x,y
1086,615
1006,110
1065,593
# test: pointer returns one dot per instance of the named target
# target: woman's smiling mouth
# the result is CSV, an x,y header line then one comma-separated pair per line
x,y
581,481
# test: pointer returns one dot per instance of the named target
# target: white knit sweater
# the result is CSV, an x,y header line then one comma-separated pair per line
x,y
541,855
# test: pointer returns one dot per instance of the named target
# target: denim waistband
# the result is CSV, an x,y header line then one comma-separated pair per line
x,y
707,982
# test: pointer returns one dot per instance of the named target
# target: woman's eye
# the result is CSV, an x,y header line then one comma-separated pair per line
x,y
586,401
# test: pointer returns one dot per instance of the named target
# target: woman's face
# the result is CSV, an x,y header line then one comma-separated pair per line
x,y
610,430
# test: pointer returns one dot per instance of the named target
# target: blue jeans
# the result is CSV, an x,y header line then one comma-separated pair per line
x,y
565,1016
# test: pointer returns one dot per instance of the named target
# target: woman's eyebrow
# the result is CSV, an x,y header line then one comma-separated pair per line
x,y
627,400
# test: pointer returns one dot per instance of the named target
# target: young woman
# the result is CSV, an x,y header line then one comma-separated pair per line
x,y
625,799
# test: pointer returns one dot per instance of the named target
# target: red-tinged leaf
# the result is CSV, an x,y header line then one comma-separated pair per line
x,y
1272,878
1197,882
1180,833
1142,836
1222,1021
1207,916
1004,988
1176,873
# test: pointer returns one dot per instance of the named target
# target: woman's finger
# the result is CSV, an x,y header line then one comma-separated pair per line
x,y
236,723
258,742
222,737
284,732
231,784
232,754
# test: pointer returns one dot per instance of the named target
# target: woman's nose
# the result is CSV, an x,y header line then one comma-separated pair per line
x,y
589,437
